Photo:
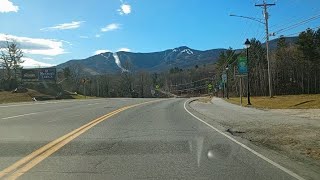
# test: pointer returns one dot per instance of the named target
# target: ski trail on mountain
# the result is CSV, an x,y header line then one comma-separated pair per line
x,y
117,61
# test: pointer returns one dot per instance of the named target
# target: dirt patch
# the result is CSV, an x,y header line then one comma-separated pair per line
x,y
206,99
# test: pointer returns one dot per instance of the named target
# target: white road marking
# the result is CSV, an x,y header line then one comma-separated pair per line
x,y
246,147
55,102
20,115
94,104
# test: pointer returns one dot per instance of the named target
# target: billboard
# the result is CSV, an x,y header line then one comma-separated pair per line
x,y
29,74
47,74
43,74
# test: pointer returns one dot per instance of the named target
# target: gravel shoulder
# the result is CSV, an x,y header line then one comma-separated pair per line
x,y
291,132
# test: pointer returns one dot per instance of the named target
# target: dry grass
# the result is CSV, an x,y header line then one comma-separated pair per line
x,y
206,99
9,97
282,102
79,96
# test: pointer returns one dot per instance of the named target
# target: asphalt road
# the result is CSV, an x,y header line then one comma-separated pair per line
x,y
155,140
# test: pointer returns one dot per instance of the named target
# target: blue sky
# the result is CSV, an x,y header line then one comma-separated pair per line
x,y
52,32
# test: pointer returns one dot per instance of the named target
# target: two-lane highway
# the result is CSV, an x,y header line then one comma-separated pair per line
x,y
122,139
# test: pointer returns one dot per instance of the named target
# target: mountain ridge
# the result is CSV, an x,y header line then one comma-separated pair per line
x,y
182,57
109,62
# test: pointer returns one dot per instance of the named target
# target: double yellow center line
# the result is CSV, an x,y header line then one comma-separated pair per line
x,y
25,164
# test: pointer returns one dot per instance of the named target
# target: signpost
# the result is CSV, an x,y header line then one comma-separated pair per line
x,y
242,71
210,88
84,81
43,74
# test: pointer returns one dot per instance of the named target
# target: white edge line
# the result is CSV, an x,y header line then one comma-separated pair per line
x,y
20,115
52,102
247,148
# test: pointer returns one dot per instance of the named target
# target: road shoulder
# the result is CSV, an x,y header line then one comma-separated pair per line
x,y
285,139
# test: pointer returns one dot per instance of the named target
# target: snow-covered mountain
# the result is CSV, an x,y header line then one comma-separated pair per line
x,y
182,57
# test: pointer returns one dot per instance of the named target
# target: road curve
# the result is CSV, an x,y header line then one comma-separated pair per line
x,y
158,139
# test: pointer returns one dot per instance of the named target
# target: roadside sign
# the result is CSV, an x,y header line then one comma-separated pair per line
x,y
224,78
153,92
210,86
157,87
43,74
47,74
242,65
29,74
220,85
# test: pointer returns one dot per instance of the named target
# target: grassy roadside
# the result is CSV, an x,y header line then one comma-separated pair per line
x,y
9,97
79,96
282,102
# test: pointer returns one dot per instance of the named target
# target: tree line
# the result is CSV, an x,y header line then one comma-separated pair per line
x,y
131,84
295,67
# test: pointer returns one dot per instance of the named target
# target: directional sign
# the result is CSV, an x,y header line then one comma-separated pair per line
x,y
210,86
157,87
242,65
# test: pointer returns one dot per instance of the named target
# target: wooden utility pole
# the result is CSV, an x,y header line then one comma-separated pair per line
x,y
266,17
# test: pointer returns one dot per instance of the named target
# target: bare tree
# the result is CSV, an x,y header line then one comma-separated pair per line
x,y
10,58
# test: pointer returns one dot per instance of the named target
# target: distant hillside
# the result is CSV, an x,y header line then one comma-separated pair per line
x,y
273,43
182,57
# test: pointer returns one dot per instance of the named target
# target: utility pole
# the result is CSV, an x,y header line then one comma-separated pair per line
x,y
266,17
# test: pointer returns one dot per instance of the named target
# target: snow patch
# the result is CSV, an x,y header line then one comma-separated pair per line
x,y
188,51
117,61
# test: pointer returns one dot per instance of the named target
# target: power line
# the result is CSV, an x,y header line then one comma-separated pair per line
x,y
299,24
302,31
195,88
190,82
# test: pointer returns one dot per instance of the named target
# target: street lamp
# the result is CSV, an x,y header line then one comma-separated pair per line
x,y
267,43
248,45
